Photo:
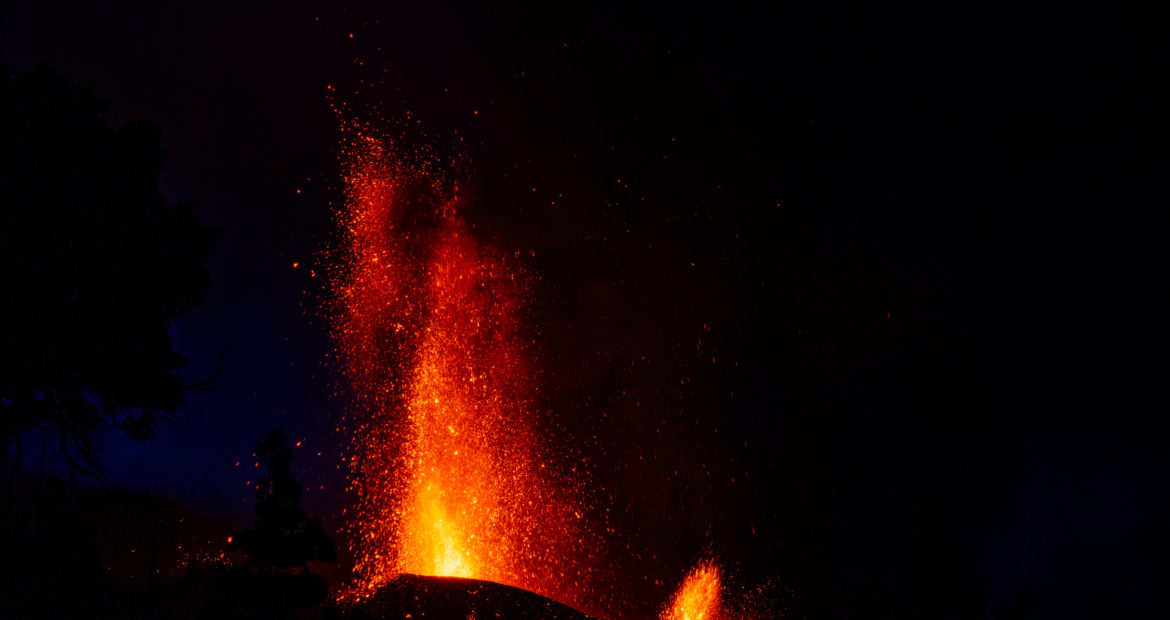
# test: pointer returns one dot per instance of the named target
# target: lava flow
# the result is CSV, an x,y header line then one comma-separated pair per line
x,y
446,461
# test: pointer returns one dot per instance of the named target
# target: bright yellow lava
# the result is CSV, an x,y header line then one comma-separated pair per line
x,y
699,596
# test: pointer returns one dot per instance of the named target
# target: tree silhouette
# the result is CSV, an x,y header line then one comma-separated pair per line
x,y
96,265
281,537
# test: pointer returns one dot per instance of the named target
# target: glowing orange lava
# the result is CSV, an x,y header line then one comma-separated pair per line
x,y
699,596
445,462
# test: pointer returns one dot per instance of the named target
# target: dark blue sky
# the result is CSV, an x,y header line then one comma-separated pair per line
x,y
238,153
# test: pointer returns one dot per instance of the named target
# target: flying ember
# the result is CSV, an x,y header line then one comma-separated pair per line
x,y
445,461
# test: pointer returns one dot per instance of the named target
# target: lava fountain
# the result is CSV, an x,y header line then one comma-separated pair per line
x,y
698,598
446,460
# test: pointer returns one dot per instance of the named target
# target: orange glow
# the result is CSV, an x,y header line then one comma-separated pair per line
x,y
698,598
445,460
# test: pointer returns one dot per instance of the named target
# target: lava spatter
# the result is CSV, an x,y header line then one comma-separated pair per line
x,y
699,596
446,461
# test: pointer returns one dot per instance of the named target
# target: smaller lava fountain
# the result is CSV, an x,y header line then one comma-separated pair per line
x,y
699,596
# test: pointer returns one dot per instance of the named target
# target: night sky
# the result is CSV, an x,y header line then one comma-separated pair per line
x,y
808,283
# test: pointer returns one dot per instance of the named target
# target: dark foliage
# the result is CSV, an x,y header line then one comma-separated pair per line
x,y
237,593
77,553
95,265
282,541
47,552
282,537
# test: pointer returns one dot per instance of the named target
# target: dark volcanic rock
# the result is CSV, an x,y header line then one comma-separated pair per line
x,y
418,597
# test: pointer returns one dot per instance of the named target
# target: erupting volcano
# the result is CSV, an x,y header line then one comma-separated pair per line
x,y
446,460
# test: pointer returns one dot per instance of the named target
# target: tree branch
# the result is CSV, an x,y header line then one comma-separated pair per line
x,y
207,385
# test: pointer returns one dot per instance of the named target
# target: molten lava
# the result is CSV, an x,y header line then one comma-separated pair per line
x,y
699,596
446,460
